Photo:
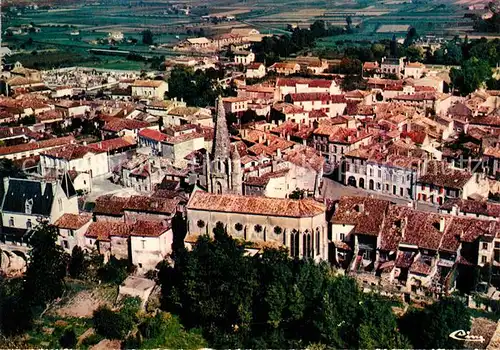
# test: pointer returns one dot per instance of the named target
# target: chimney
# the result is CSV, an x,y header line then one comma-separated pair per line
x,y
85,143
278,152
442,224
454,209
360,208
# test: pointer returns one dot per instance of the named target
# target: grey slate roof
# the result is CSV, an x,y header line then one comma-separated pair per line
x,y
21,190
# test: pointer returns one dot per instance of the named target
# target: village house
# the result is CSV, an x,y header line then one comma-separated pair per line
x,y
285,68
255,70
28,202
74,157
331,105
283,112
236,105
144,208
392,66
71,109
471,208
120,127
144,243
31,149
201,43
181,141
491,156
151,89
71,228
438,182
392,174
257,92
298,225
189,115
244,57
414,70
334,142
287,86
152,138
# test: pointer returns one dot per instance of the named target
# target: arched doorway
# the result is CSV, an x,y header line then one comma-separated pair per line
x,y
362,183
351,181
371,185
218,188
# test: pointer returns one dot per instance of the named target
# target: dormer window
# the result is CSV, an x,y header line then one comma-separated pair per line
x,y
28,206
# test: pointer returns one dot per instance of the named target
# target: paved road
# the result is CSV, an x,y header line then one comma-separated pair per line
x,y
334,190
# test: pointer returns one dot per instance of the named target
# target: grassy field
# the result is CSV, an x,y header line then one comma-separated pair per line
x,y
375,20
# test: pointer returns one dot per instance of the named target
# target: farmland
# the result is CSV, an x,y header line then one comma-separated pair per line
x,y
373,20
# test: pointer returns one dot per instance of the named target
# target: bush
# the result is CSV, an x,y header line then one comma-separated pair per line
x,y
91,340
68,339
110,324
115,271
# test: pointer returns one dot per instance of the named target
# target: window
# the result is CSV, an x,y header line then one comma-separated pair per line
x,y
11,221
59,201
379,173
387,187
65,244
366,255
72,233
483,259
485,246
342,236
497,245
371,172
143,243
401,192
28,224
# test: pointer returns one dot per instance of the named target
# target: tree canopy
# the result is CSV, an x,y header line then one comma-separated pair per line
x,y
271,301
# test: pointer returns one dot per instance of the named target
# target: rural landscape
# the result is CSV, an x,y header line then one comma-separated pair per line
x,y
70,30
229,174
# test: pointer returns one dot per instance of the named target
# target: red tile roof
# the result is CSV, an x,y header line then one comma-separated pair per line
x,y
440,174
70,152
103,230
113,144
73,221
473,207
119,124
151,205
255,205
151,134
31,146
312,83
365,213
110,205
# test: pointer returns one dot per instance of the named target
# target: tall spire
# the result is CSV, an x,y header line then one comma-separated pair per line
x,y
221,145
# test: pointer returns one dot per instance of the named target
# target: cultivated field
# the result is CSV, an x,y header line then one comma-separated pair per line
x,y
374,20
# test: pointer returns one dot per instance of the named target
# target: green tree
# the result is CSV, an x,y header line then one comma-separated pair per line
x,y
44,279
432,326
115,271
411,36
77,264
470,76
147,37
415,53
111,324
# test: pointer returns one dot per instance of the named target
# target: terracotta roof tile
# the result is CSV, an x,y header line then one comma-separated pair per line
x,y
73,221
255,205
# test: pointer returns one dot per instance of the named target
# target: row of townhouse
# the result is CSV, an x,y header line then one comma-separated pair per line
x,y
406,251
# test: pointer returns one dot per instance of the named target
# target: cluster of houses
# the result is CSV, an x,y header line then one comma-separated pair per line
x,y
114,171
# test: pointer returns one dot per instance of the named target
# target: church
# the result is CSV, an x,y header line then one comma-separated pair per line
x,y
223,167
298,225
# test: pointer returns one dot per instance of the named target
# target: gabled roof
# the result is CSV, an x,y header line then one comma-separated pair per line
x,y
365,213
151,205
73,221
255,205
70,152
40,193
